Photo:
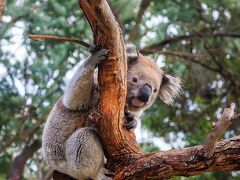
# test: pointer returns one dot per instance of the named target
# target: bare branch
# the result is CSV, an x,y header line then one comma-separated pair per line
x,y
184,162
135,30
18,164
57,38
48,174
196,58
218,129
211,156
197,35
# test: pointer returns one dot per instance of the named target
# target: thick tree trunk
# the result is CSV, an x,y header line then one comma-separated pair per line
x,y
120,144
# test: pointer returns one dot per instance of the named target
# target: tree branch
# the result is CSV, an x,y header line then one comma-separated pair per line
x,y
218,129
211,156
196,58
197,35
57,38
18,164
184,162
135,30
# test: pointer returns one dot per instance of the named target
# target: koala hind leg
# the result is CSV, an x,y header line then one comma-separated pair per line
x,y
84,155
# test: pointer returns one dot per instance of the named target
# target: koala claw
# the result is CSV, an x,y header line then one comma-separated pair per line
x,y
94,48
131,121
103,54
108,175
98,54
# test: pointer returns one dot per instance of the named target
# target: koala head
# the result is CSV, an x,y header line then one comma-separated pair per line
x,y
146,81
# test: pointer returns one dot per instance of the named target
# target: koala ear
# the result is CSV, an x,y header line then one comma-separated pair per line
x,y
132,53
170,88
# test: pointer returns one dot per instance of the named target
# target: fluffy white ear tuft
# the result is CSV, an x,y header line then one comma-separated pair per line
x,y
170,88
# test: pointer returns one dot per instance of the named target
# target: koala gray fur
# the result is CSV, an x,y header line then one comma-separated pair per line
x,y
74,149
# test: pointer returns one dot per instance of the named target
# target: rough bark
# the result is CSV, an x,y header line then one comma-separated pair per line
x,y
184,162
120,144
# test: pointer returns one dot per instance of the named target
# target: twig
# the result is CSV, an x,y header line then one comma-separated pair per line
x,y
196,35
57,38
196,58
210,143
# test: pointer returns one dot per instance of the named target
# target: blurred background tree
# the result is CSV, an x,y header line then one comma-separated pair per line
x,y
198,40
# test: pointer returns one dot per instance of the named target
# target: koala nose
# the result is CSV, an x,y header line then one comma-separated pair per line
x,y
145,93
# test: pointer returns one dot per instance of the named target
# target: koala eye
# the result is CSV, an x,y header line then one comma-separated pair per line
x,y
155,90
135,80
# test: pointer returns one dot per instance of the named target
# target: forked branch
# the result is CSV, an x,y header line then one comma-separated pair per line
x,y
219,128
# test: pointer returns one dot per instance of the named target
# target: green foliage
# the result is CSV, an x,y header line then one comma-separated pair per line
x,y
33,74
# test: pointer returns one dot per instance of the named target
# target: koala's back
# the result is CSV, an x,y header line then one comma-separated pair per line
x,y
69,147
60,125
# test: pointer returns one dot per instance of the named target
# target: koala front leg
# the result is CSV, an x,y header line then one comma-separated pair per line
x,y
78,92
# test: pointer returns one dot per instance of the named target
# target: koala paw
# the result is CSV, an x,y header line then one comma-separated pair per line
x,y
98,54
131,120
108,175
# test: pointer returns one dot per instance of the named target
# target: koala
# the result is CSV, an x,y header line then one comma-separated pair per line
x,y
72,148
145,82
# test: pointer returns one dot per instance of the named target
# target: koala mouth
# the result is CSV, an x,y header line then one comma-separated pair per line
x,y
136,102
